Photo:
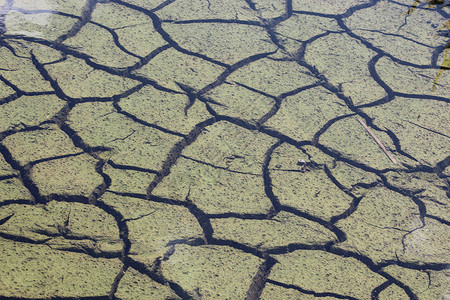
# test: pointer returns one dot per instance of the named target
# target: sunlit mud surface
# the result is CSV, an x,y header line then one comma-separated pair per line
x,y
215,149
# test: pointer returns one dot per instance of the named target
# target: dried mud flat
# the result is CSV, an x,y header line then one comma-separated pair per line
x,y
203,149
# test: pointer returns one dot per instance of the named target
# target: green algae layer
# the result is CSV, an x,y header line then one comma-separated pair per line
x,y
191,149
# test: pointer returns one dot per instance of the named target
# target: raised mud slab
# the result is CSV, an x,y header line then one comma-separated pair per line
x,y
211,149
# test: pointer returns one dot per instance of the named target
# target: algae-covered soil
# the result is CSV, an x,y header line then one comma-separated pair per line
x,y
224,149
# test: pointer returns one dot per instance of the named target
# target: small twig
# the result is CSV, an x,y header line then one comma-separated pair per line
x,y
377,140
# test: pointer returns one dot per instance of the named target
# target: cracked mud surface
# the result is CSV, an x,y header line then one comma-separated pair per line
x,y
204,149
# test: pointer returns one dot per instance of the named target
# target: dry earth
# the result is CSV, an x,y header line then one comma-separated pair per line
x,y
211,149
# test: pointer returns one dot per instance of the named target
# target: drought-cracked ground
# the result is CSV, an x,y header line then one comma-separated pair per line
x,y
215,149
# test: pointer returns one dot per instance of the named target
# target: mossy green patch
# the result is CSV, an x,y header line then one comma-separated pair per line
x,y
351,140
231,147
137,286
299,180
329,7
131,143
5,90
352,178
428,284
308,189
287,157
77,79
420,128
44,54
301,27
199,9
103,51
324,272
13,189
171,67
272,291
73,175
239,102
128,181
301,116
123,16
21,72
393,292
376,229
37,271
134,28
64,226
165,109
337,52
211,272
428,187
5,168
214,190
413,80
40,144
428,244
273,77
281,230
414,41
141,39
29,110
152,234
268,9
153,226
129,207
227,42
